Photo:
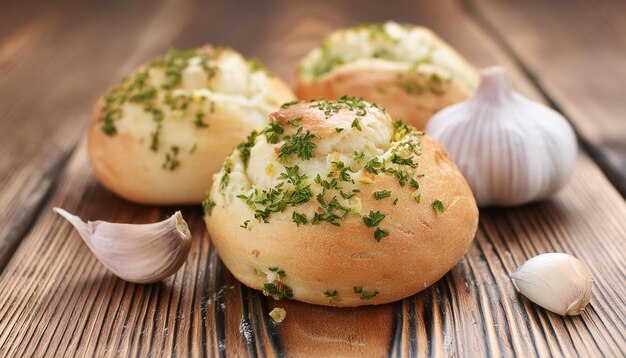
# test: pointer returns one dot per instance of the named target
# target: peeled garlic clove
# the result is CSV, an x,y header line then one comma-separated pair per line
x,y
510,149
557,282
278,314
143,253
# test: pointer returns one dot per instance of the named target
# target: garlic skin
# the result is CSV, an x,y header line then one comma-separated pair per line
x,y
139,253
510,149
557,282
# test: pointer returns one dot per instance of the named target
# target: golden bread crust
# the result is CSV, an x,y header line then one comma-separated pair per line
x,y
319,259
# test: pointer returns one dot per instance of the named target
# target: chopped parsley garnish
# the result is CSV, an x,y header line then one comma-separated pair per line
x,y
272,131
408,161
299,218
415,184
171,159
354,104
326,63
299,195
208,205
365,295
373,165
338,130
198,122
154,137
292,175
256,65
277,290
395,201
327,185
401,129
346,195
342,172
358,156
225,179
328,107
293,190
245,224
289,104
356,124
438,207
244,147
373,218
418,198
382,194
380,233
279,272
294,122
328,213
331,294
141,88
298,143
416,86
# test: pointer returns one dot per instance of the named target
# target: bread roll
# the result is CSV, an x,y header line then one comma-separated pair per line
x,y
407,69
163,131
334,203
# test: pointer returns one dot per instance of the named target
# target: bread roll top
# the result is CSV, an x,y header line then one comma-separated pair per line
x,y
388,46
349,205
163,131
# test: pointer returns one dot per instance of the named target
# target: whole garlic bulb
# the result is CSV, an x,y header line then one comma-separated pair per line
x,y
557,282
510,149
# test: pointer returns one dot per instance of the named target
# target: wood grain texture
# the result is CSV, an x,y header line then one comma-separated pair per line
x,y
53,66
56,299
576,53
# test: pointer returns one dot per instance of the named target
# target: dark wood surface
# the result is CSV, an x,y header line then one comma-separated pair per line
x,y
56,299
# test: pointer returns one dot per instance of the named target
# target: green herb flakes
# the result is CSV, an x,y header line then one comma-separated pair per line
x,y
298,143
277,291
438,207
208,205
272,132
331,294
299,218
365,295
171,159
294,122
379,234
373,218
289,104
382,194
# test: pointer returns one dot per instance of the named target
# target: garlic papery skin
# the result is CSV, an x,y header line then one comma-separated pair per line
x,y
139,253
510,149
557,282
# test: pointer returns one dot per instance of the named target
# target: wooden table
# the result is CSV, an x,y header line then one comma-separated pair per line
x,y
56,299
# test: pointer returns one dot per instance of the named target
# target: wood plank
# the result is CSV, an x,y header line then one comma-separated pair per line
x,y
54,66
55,298
578,61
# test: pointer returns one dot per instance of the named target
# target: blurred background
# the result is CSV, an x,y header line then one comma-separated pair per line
x,y
57,57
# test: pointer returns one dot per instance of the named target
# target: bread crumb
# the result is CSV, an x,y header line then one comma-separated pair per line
x,y
278,314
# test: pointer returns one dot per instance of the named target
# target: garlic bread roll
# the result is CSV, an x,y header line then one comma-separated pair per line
x,y
407,69
334,203
163,131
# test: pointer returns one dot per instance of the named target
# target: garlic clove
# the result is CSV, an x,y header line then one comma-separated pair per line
x,y
557,282
510,149
278,314
140,253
